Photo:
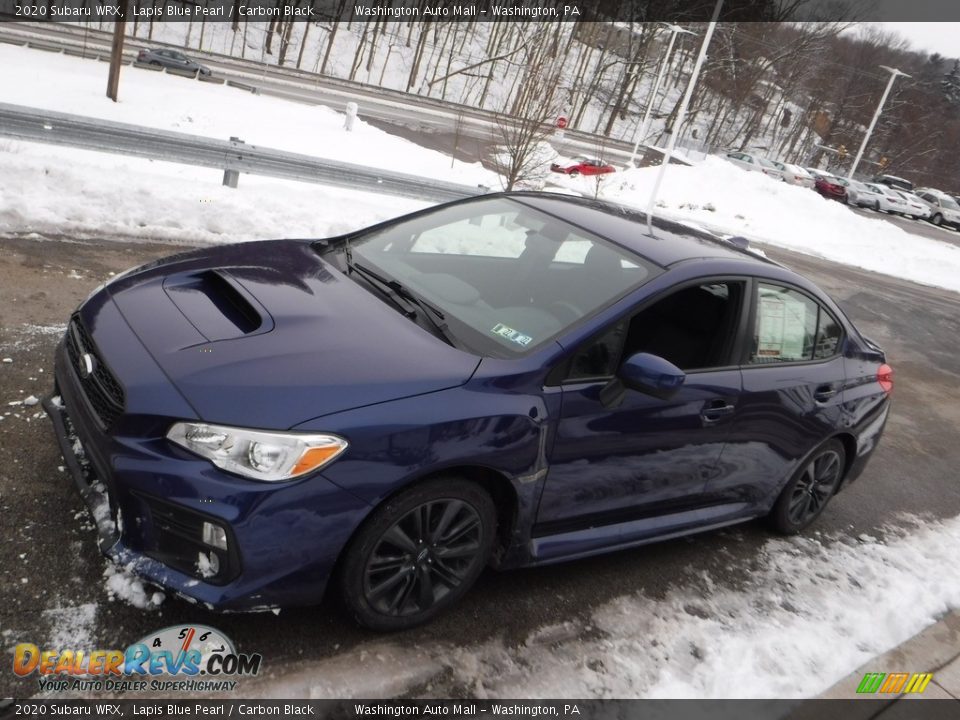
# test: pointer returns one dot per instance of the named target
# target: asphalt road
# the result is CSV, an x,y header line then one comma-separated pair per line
x,y
914,227
48,557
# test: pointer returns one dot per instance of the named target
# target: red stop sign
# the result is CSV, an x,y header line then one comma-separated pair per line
x,y
561,122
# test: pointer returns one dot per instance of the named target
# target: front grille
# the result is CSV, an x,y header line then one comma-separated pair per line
x,y
101,389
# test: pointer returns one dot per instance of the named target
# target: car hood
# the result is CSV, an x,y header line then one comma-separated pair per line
x,y
269,335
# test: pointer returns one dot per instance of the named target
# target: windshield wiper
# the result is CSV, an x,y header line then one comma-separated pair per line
x,y
404,298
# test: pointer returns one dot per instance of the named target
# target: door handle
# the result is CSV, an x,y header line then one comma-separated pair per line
x,y
824,393
715,410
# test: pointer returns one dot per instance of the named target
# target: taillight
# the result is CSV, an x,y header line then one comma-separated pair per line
x,y
885,378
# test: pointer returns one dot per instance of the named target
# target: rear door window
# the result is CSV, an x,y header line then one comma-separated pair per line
x,y
790,326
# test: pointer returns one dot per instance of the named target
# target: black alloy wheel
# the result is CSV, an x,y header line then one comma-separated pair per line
x,y
418,554
810,489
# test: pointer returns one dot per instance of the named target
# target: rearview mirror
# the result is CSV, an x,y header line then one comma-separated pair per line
x,y
651,374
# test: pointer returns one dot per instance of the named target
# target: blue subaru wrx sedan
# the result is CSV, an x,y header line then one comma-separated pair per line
x,y
515,379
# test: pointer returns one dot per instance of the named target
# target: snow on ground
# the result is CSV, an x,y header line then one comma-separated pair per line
x,y
720,196
810,612
65,191
74,85
79,193
72,626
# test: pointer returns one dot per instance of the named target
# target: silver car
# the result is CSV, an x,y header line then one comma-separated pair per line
x,y
944,210
171,59
796,175
754,163
860,194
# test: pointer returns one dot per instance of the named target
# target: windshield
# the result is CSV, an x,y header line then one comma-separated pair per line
x,y
949,203
506,278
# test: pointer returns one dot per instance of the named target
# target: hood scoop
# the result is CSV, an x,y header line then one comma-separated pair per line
x,y
216,304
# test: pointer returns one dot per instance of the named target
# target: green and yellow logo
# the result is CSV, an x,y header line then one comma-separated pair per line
x,y
894,683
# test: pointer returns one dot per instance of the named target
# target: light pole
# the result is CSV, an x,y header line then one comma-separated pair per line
x,y
866,138
681,115
674,30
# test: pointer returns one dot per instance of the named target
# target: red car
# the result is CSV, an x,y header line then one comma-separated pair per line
x,y
584,166
830,187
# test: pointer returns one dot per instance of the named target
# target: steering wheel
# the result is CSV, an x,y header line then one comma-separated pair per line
x,y
564,311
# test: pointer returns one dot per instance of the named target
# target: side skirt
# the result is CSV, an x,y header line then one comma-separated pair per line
x,y
583,543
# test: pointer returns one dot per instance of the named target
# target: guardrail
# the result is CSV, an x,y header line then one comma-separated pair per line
x,y
233,156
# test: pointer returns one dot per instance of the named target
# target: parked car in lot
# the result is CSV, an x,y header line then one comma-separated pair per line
x,y
515,379
914,206
171,59
862,195
944,210
831,187
891,200
583,166
755,163
796,175
894,182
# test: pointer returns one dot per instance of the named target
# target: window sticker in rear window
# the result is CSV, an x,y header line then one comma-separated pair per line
x,y
510,334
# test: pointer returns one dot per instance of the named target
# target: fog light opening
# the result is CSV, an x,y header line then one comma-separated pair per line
x,y
214,536
208,564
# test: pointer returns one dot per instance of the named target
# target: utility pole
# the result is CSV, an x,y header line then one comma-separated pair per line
x,y
116,53
894,74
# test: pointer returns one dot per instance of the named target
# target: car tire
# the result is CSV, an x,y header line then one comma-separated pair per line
x,y
574,173
806,495
937,219
876,206
418,553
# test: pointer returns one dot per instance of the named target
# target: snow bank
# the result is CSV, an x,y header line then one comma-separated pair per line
x,y
809,613
718,195
78,193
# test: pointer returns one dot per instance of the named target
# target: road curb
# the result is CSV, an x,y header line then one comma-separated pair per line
x,y
929,651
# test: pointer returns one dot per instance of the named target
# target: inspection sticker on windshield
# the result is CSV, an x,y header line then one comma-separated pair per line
x,y
510,334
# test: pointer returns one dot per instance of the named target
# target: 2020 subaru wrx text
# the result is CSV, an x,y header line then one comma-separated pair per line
x,y
513,380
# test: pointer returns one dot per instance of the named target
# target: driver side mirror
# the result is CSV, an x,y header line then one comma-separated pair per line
x,y
646,373
651,374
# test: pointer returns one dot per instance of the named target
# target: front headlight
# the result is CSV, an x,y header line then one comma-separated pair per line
x,y
255,454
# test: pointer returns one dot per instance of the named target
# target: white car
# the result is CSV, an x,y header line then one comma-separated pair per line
x,y
944,210
917,208
889,199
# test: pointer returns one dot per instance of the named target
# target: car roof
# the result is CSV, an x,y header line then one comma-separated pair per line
x,y
673,242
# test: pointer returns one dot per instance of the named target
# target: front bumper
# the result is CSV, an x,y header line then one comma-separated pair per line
x,y
285,538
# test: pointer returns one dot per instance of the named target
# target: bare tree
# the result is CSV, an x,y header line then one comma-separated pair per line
x,y
525,129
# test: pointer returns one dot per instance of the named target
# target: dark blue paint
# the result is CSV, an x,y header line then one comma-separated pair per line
x,y
305,348
652,374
